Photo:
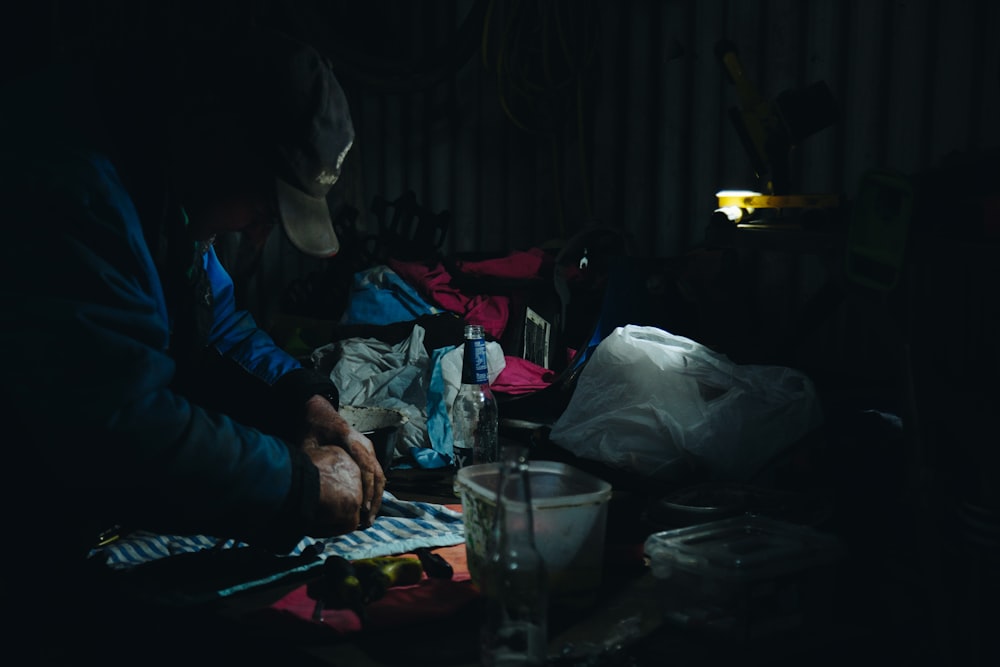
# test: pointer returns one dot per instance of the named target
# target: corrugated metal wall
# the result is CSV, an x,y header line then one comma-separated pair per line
x,y
568,113
529,120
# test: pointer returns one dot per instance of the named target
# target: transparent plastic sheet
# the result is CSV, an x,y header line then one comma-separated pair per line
x,y
657,404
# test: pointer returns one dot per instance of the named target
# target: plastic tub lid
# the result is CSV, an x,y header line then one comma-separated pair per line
x,y
743,547
553,484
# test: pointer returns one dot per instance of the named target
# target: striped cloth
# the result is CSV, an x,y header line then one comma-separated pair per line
x,y
401,527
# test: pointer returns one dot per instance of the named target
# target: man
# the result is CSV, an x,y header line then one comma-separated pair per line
x,y
135,393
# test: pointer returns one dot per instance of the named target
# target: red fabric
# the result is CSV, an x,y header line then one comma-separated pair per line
x,y
521,376
434,284
519,264
402,605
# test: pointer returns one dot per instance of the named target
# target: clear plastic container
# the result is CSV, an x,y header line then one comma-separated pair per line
x,y
570,510
745,577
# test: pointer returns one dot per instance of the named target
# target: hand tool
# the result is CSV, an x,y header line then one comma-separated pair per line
x,y
346,584
434,564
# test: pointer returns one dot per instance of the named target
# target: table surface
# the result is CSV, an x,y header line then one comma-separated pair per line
x,y
625,612
625,626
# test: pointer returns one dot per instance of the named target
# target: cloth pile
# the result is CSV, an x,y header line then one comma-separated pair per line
x,y
404,376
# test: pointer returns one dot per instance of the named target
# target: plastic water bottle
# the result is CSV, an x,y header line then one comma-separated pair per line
x,y
474,412
514,581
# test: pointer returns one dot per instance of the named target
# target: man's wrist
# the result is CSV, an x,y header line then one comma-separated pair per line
x,y
291,394
297,514
332,396
298,386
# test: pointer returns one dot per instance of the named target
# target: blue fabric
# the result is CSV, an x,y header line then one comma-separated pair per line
x,y
623,303
397,376
380,296
438,423
235,333
86,325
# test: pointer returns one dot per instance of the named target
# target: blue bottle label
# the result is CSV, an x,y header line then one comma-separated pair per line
x,y
475,370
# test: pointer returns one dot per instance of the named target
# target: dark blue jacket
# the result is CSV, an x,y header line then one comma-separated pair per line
x,y
126,357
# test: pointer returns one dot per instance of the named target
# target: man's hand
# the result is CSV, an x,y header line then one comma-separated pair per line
x,y
325,427
339,491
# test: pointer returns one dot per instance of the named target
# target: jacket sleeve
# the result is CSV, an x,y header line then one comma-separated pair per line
x,y
236,336
235,333
88,374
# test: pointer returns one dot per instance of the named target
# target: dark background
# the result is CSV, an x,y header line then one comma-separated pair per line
x,y
524,123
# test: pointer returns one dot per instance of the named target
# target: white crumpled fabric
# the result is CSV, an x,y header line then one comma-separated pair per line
x,y
451,369
368,371
654,403
401,376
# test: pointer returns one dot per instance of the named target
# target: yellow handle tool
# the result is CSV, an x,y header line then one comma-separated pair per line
x,y
347,584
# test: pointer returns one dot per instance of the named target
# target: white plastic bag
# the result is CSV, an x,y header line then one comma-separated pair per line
x,y
654,403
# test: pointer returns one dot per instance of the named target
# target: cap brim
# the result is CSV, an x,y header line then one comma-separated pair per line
x,y
306,221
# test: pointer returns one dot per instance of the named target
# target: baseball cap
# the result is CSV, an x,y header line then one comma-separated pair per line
x,y
303,129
